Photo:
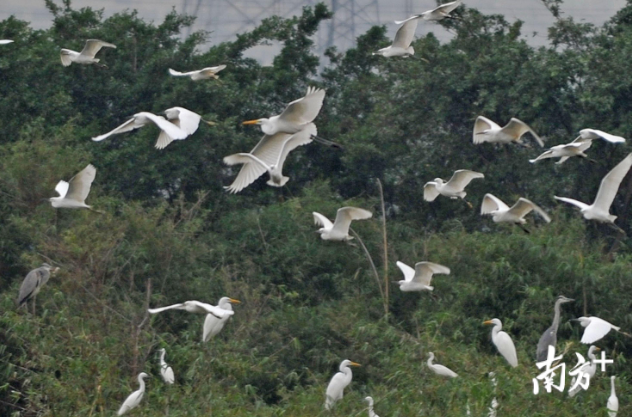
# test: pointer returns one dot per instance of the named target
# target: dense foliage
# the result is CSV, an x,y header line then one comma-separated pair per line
x,y
171,233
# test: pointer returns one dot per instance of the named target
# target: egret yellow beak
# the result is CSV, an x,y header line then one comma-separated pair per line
x,y
488,322
354,364
251,122
233,301
596,348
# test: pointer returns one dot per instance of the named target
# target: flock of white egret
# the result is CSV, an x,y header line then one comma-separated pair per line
x,y
294,127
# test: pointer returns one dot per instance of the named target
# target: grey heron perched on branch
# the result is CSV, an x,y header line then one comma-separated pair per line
x,y
549,337
33,283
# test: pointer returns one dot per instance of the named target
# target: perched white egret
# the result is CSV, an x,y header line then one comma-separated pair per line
x,y
487,131
589,368
296,115
503,342
418,279
440,369
455,188
501,213
339,229
213,325
613,401
268,156
135,397
195,307
371,412
33,283
578,146
73,194
182,118
403,38
203,74
434,15
595,328
600,208
144,118
165,370
5,41
86,56
338,382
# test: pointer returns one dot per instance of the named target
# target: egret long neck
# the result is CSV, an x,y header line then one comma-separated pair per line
x,y
162,358
141,382
612,390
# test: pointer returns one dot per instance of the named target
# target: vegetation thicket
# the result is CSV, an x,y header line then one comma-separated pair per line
x,y
170,232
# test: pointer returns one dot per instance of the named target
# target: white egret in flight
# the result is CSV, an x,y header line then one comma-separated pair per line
x,y
165,370
600,208
339,229
212,324
578,146
73,194
5,41
503,342
434,15
144,118
296,116
613,401
338,383
549,337
403,38
440,369
268,156
33,283
86,56
371,412
589,368
135,397
596,328
455,188
487,131
203,74
182,118
501,213
195,307
418,279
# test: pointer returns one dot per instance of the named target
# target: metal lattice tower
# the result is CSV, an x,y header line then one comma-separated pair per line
x,y
226,18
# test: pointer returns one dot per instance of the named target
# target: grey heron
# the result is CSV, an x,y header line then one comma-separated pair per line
x,y
87,54
549,337
33,283
338,383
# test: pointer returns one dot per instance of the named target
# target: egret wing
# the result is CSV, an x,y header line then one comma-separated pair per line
x,y
590,134
213,70
187,120
131,402
518,128
179,306
93,46
304,110
547,154
5,41
211,309
252,169
408,272
125,127
62,188
524,206
597,329
610,184
336,386
461,178
424,271
66,56
506,347
79,185
346,215
480,125
167,374
430,191
169,128
405,34
399,22
492,203
321,220
300,138
579,204
448,7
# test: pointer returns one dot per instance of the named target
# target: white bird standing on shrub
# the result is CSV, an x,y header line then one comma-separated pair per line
x,y
501,213
440,369
403,38
165,370
589,368
503,342
578,146
73,194
371,412
212,324
600,208
338,382
436,14
339,229
142,119
268,156
455,188
296,116
487,131
196,307
418,279
203,74
135,397
86,56
596,328
613,401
